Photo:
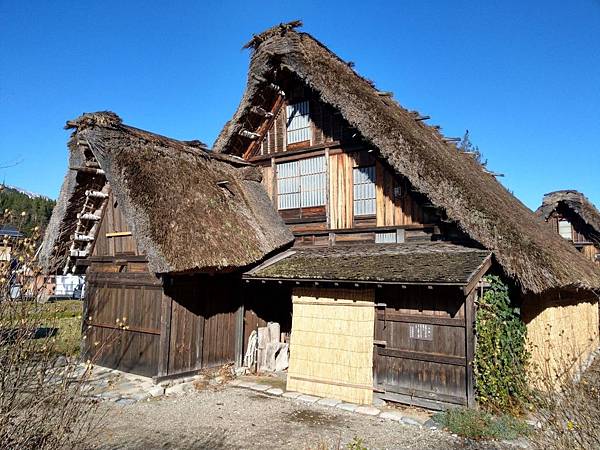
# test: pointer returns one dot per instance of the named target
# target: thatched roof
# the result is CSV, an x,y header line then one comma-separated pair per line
x,y
189,209
573,202
527,251
415,263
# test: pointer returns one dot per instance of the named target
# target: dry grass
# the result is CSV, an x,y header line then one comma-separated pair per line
x,y
568,411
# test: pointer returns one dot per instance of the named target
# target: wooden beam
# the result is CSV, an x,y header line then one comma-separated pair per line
x,y
90,170
166,308
470,346
118,234
265,126
239,335
477,275
423,356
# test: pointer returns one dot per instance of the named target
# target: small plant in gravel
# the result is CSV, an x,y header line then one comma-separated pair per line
x,y
475,424
356,444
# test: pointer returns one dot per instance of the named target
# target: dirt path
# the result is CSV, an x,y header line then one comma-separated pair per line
x,y
234,418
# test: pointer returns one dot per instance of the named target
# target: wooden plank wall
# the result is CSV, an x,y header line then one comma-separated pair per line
x,y
112,222
201,326
133,298
432,366
391,209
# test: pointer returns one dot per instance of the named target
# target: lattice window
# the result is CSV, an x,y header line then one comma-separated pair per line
x,y
301,184
565,229
364,191
298,122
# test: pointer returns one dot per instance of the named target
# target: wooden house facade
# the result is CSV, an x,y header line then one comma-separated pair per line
x,y
162,229
394,230
575,218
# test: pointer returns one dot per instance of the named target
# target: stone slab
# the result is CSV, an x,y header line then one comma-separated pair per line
x,y
308,398
291,394
125,401
329,402
156,391
347,406
260,387
245,384
411,421
367,410
392,415
275,391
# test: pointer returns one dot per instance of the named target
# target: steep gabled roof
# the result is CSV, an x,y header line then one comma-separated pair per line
x,y
577,204
534,256
189,209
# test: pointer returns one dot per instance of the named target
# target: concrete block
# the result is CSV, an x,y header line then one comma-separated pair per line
x,y
180,388
367,410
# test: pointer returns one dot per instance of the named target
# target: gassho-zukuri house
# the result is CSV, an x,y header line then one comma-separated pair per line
x,y
324,206
576,219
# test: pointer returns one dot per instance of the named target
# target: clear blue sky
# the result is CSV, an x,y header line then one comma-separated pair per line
x,y
523,77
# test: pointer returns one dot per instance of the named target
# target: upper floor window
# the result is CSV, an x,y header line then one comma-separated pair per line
x,y
564,229
364,191
298,123
301,184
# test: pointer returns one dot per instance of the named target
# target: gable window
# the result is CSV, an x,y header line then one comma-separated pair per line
x,y
364,191
298,123
301,184
564,229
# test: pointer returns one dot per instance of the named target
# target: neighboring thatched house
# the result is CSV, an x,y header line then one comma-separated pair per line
x,y
162,229
575,218
395,229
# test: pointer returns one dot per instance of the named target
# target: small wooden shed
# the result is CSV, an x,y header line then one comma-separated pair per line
x,y
162,229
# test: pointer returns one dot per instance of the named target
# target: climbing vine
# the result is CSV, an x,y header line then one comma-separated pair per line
x,y
501,353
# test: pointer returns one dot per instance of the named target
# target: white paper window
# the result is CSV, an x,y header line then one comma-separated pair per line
x,y
364,191
298,123
301,184
564,229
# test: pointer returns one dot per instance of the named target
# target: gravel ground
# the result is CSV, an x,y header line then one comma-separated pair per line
x,y
233,418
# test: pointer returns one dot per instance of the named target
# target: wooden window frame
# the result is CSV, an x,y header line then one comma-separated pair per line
x,y
373,199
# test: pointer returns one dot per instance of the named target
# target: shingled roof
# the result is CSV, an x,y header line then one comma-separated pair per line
x,y
410,263
575,203
189,209
530,253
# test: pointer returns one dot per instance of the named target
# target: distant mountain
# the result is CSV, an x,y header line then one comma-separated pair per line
x,y
14,202
23,191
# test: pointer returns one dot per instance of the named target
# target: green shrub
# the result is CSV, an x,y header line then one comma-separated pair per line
x,y
500,354
474,424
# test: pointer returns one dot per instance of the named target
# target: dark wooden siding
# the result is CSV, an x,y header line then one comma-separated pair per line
x,y
132,299
113,222
421,351
200,323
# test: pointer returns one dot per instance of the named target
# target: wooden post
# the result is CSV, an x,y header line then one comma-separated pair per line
x,y
239,335
165,328
470,346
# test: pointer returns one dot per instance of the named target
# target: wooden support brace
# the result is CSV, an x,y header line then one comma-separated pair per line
x,y
249,134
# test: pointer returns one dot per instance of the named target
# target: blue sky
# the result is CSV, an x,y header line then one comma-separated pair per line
x,y
523,77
